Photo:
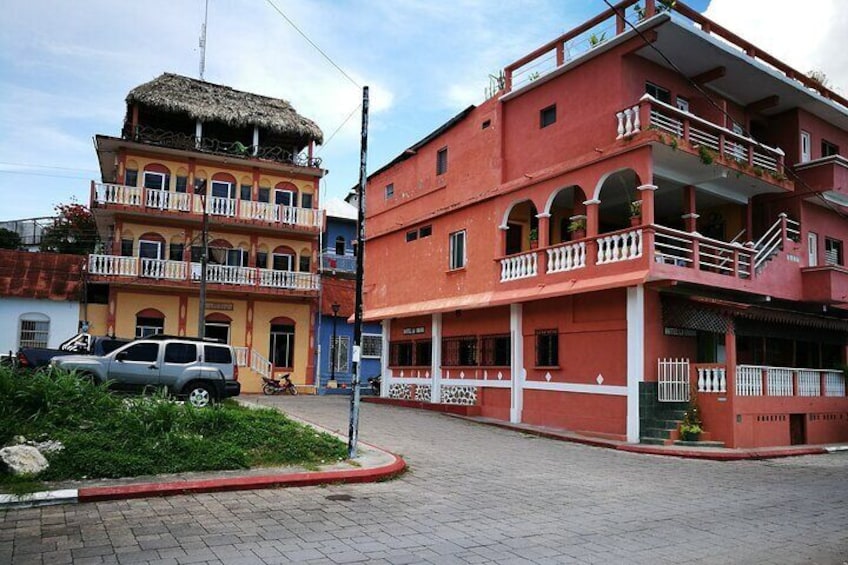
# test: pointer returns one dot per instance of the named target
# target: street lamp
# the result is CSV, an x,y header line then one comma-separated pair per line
x,y
335,308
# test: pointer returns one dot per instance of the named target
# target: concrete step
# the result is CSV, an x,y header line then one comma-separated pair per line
x,y
652,440
699,443
661,433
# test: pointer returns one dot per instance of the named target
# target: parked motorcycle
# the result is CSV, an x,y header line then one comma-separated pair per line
x,y
278,386
375,382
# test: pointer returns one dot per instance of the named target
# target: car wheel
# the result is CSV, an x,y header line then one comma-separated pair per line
x,y
199,395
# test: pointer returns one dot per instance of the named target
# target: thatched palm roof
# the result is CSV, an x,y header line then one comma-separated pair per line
x,y
206,101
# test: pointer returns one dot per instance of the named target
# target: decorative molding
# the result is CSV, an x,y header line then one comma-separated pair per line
x,y
607,390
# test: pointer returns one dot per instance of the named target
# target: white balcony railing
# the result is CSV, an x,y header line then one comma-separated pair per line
x,y
712,378
622,246
242,354
519,266
566,257
161,269
754,380
151,199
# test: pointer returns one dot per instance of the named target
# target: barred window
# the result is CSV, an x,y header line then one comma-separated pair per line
x,y
459,351
372,345
496,350
547,348
400,353
423,353
35,330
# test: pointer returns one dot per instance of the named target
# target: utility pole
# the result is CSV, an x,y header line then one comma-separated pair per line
x,y
203,41
353,430
204,254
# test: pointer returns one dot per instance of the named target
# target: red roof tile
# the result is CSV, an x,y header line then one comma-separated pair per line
x,y
53,276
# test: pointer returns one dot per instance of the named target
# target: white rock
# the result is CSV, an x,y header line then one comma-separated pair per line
x,y
23,459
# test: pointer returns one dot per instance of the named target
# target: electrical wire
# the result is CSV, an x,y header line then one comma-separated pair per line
x,y
709,98
346,120
312,43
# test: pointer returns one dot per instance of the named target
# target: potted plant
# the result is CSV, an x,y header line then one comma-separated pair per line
x,y
577,227
691,426
534,238
636,213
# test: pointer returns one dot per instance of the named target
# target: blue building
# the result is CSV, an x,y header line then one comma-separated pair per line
x,y
335,323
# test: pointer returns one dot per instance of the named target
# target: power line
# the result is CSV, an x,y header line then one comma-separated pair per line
x,y
312,43
34,174
346,120
33,166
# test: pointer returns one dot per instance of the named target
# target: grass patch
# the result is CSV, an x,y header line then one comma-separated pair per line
x,y
109,436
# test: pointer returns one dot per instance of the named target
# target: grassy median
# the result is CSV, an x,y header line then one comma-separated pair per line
x,y
106,435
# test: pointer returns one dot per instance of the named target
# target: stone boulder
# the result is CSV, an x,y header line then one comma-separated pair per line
x,y
23,459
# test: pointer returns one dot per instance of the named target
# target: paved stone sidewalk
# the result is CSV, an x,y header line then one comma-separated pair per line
x,y
474,494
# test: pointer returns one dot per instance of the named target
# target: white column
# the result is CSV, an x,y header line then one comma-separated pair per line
x,y
635,357
198,133
516,332
384,359
436,368
255,140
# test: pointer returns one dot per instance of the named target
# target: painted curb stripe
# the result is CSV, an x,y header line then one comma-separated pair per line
x,y
43,498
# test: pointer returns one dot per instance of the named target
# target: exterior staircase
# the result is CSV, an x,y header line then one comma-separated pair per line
x,y
660,428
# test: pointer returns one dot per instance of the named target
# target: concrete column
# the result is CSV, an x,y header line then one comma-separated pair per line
x,y
593,213
646,196
544,229
436,365
690,216
516,330
635,357
385,372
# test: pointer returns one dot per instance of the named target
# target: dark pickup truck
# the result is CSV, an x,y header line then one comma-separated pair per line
x,y
80,344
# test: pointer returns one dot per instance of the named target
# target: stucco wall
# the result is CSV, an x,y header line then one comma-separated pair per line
x,y
64,320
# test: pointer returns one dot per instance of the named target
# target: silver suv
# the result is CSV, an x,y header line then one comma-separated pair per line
x,y
197,370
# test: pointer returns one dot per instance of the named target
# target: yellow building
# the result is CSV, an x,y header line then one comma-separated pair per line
x,y
192,152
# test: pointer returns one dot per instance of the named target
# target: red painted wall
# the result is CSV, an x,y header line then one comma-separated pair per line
x,y
494,402
576,412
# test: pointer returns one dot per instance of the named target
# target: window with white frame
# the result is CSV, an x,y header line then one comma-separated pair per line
x,y
221,189
34,330
282,262
155,181
806,145
682,104
284,198
149,249
457,250
341,354
372,345
145,326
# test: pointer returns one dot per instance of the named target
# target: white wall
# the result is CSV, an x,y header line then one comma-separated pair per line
x,y
64,320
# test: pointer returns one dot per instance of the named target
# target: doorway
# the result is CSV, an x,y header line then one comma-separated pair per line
x,y
797,429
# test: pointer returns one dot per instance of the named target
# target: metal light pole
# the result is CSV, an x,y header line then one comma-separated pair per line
x,y
204,253
353,428
335,308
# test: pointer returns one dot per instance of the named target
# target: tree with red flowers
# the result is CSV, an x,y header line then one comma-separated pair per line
x,y
73,231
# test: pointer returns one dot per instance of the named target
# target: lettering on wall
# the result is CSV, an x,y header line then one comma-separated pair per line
x,y
219,305
414,330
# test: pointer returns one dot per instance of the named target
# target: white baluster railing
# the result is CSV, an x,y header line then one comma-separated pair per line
x,y
242,355
520,266
105,193
619,247
263,211
628,122
566,257
778,381
113,265
260,364
288,279
712,379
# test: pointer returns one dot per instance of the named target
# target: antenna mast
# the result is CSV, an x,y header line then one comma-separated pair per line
x,y
203,41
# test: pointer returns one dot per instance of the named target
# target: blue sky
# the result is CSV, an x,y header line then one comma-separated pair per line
x,y
66,67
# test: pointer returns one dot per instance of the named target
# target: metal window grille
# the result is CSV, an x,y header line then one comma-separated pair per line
x,y
547,348
372,345
34,333
495,350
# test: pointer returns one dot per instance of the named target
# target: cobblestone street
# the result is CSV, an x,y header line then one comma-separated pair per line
x,y
473,494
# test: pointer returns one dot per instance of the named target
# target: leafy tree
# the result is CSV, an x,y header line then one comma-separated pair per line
x,y
9,239
73,231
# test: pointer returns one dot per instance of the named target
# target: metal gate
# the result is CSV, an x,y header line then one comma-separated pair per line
x,y
673,379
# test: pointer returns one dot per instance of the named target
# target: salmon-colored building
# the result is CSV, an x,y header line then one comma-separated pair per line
x,y
191,149
646,207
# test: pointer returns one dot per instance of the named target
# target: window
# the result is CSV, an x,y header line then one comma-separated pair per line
x,y
262,259
236,257
264,194
155,181
245,192
683,104
547,348
282,262
340,245
496,350
199,186
442,161
145,326
306,200
547,116
131,177
285,198
425,231
828,148
459,352
411,235
486,124
219,331
149,249
400,353
34,330
658,92
145,352
457,250
126,248
423,353
341,354
175,251
217,354
180,353
196,253
282,345
372,345
304,264
390,190
833,252
222,189
182,184
806,144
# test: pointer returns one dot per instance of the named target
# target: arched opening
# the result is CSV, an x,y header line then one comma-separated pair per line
x,y
285,194
156,177
33,330
224,186
282,258
617,192
281,346
564,206
149,321
151,245
217,327
522,228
